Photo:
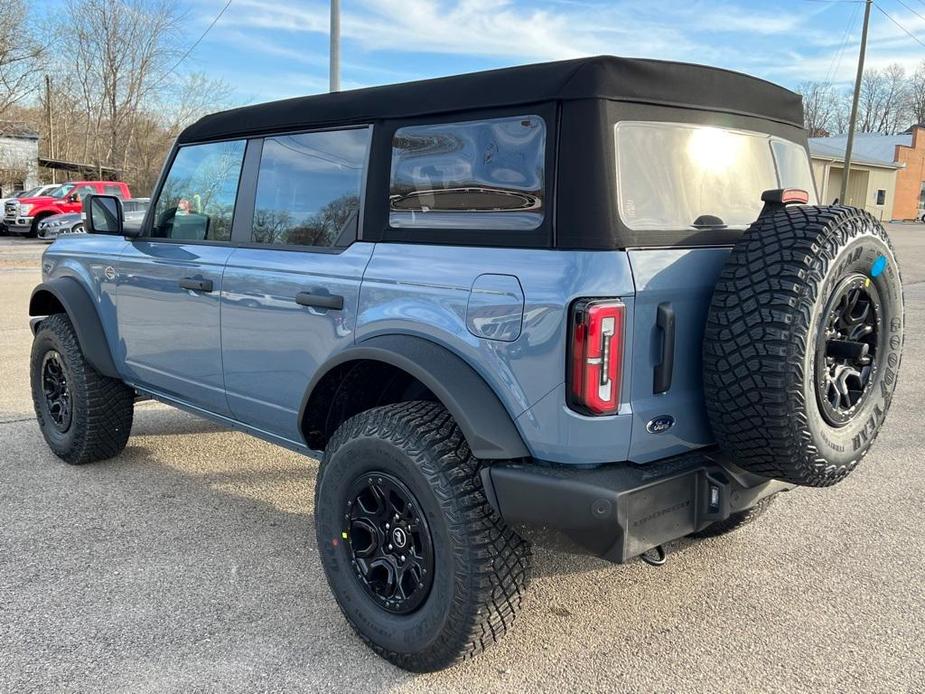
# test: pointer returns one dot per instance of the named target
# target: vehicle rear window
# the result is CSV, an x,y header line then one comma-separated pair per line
x,y
673,176
479,174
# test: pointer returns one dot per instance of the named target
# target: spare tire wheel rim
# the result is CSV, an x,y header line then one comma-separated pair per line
x,y
847,348
389,542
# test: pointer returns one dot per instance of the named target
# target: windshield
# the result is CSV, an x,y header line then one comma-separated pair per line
x,y
674,176
61,190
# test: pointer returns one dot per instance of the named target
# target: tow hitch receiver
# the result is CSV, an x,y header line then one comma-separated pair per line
x,y
622,510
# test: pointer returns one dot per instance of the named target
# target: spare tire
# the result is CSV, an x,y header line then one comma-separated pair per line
x,y
802,344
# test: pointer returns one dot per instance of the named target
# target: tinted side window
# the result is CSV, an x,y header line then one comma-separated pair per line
x,y
308,188
197,200
481,174
110,189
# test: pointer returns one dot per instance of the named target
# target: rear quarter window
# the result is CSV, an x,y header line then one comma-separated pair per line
x,y
479,174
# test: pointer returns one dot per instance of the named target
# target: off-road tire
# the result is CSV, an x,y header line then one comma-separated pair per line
x,y
102,407
735,520
762,335
481,567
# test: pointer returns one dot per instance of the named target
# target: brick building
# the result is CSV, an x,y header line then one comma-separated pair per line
x,y
910,180
905,152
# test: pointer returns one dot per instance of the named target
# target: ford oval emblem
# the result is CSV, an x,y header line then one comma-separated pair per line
x,y
660,424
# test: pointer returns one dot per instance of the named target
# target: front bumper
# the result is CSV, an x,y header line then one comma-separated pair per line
x,y
18,225
622,510
48,233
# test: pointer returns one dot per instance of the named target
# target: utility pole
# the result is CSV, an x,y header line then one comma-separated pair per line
x,y
335,47
51,126
854,105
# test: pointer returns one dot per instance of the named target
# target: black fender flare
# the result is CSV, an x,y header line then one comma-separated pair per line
x,y
488,428
69,294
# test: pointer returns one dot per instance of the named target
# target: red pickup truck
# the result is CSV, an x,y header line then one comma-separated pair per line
x,y
22,215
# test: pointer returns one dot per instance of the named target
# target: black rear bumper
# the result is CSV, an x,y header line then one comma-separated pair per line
x,y
621,510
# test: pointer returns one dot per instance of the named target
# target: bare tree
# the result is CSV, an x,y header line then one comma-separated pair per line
x,y
883,106
191,98
121,51
917,95
21,54
822,106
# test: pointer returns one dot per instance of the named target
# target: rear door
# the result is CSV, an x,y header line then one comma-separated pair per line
x,y
696,181
291,288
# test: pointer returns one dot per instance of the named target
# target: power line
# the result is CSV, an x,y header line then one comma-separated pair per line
x,y
922,17
201,37
835,64
890,17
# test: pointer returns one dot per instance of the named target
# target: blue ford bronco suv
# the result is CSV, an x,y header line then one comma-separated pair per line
x,y
590,304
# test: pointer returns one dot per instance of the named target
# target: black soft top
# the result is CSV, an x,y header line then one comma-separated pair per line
x,y
634,80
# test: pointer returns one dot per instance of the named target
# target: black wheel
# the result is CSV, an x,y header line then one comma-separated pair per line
x,y
423,569
735,520
803,343
83,415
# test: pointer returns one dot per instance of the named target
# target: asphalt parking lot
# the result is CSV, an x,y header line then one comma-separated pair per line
x,y
188,564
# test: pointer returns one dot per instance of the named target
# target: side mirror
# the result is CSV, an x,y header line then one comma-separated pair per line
x,y
105,216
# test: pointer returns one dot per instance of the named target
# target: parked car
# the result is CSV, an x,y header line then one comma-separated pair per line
x,y
73,222
22,216
591,304
68,223
31,192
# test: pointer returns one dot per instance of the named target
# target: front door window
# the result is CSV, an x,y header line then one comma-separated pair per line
x,y
196,202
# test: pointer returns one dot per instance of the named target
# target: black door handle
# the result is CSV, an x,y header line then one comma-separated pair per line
x,y
332,301
664,321
197,285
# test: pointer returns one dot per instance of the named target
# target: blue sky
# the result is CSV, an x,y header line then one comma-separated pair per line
x,y
270,49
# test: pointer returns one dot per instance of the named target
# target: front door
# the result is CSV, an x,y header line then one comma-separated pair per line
x,y
291,288
169,282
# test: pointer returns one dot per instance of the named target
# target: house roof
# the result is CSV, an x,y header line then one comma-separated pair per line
x,y
869,148
17,130
603,77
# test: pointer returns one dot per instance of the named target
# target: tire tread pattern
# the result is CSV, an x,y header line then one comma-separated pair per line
x,y
757,335
103,407
494,562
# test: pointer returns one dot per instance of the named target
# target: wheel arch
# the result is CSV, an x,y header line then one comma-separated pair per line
x,y
486,425
67,295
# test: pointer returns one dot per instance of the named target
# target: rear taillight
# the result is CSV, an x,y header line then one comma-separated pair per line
x,y
595,355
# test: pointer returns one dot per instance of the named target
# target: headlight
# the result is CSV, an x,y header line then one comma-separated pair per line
x,y
24,209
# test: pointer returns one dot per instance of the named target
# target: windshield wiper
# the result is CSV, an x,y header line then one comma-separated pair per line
x,y
708,221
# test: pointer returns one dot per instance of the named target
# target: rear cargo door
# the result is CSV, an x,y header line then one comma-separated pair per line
x,y
673,292
693,189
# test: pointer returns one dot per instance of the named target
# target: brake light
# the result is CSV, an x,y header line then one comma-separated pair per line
x,y
596,355
786,196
